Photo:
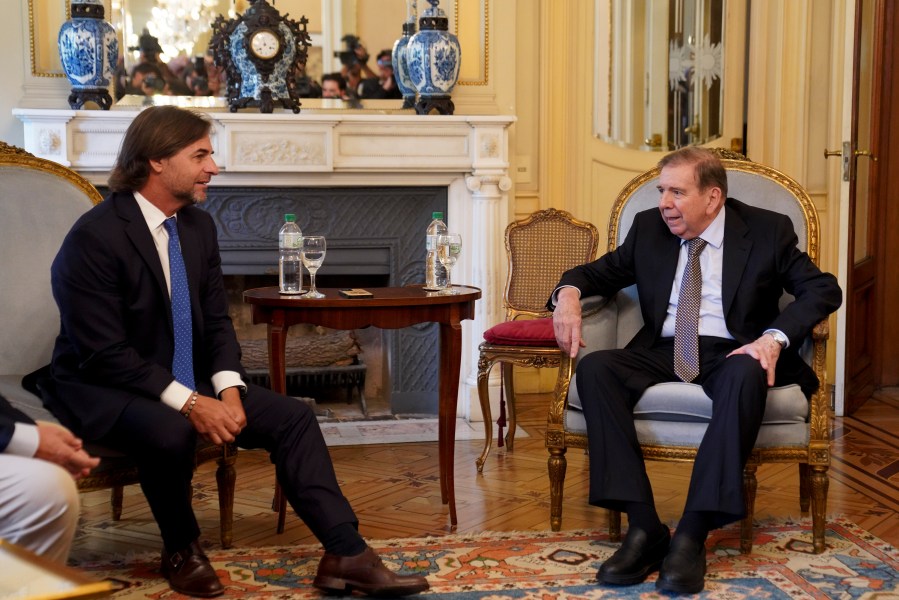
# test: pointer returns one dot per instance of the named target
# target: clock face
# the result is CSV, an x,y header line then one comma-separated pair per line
x,y
265,44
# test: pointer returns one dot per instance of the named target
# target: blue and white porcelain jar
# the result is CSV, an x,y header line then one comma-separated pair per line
x,y
434,57
400,58
88,50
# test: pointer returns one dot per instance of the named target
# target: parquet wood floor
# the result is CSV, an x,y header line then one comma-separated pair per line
x,y
395,489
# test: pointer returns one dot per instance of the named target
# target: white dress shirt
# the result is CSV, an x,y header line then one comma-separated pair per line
x,y
177,394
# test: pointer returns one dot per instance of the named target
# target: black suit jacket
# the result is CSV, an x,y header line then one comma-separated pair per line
x,y
760,262
9,416
116,340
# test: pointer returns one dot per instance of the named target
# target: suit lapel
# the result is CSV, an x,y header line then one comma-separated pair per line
x,y
736,253
664,258
137,231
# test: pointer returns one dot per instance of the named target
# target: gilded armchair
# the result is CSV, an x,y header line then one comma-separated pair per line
x,y
794,430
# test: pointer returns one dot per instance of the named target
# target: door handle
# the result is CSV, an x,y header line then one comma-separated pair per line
x,y
845,154
866,153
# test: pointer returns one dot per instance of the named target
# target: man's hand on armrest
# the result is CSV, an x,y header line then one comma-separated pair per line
x,y
567,320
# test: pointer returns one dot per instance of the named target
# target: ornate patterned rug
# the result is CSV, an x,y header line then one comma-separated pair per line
x,y
546,565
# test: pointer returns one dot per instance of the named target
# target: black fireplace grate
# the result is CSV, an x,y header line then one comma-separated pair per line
x,y
315,381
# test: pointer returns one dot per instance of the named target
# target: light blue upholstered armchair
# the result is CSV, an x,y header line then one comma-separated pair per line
x,y
672,417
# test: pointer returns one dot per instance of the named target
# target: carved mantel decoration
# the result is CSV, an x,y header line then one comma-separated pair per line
x,y
467,154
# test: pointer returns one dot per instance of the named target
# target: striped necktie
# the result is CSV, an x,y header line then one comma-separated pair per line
x,y
183,361
686,321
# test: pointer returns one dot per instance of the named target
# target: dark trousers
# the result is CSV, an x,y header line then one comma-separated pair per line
x,y
610,382
163,444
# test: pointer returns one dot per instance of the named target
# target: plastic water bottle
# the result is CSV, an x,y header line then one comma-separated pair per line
x,y
435,272
290,243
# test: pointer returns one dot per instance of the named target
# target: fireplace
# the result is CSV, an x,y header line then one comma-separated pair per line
x,y
375,238
465,155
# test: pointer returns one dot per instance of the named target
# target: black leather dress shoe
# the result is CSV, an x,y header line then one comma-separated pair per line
x,y
366,573
683,570
639,555
190,573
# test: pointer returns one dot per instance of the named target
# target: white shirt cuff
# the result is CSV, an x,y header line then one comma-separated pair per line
x,y
225,379
554,299
176,395
25,440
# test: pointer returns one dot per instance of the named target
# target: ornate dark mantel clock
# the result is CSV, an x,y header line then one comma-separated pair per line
x,y
260,51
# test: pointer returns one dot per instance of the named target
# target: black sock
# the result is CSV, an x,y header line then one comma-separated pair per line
x,y
343,540
695,525
643,516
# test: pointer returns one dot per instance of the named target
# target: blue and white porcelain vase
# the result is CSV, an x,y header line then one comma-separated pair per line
x,y
434,56
88,50
400,58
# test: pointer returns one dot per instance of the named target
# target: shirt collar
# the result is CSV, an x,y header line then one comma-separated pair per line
x,y
152,215
714,233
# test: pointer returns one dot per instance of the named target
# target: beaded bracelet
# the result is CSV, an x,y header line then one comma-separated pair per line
x,y
193,402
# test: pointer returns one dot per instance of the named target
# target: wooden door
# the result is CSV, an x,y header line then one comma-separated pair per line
x,y
867,242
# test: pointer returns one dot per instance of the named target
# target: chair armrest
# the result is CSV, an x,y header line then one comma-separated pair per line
x,y
599,316
819,409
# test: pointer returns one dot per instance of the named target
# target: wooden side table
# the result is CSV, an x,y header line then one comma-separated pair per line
x,y
389,308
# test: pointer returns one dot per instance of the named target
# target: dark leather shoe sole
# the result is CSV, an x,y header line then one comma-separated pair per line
x,y
364,573
683,570
650,560
336,586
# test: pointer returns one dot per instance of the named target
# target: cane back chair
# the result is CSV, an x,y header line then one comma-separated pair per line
x,y
671,418
39,202
539,249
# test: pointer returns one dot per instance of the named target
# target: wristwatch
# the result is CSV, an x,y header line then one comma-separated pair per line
x,y
779,337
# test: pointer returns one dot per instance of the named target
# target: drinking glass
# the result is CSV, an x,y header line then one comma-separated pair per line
x,y
314,247
449,245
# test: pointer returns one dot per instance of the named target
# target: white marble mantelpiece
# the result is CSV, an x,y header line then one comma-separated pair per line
x,y
469,154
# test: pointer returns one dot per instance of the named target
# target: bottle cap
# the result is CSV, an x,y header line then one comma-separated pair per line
x,y
437,215
290,217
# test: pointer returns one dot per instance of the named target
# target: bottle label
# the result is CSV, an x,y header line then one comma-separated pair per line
x,y
431,243
291,241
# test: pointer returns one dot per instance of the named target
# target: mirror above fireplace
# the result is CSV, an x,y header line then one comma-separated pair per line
x,y
182,27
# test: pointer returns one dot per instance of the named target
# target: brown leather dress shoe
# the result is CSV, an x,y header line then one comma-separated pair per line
x,y
190,573
364,572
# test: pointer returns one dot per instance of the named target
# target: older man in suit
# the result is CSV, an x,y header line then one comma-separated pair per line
x,y
726,264
39,463
147,359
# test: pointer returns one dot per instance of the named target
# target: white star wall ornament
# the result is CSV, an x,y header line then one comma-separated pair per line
x,y
708,59
680,61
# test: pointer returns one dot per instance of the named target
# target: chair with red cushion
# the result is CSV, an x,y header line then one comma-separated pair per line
x,y
539,248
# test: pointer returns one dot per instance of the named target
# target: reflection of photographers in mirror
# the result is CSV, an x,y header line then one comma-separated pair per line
x,y
307,87
354,61
181,76
150,75
383,86
147,80
334,86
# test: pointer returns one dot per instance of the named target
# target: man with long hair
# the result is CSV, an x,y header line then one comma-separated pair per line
x,y
147,359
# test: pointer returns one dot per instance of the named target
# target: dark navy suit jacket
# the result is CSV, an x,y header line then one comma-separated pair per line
x,y
760,262
9,416
116,340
